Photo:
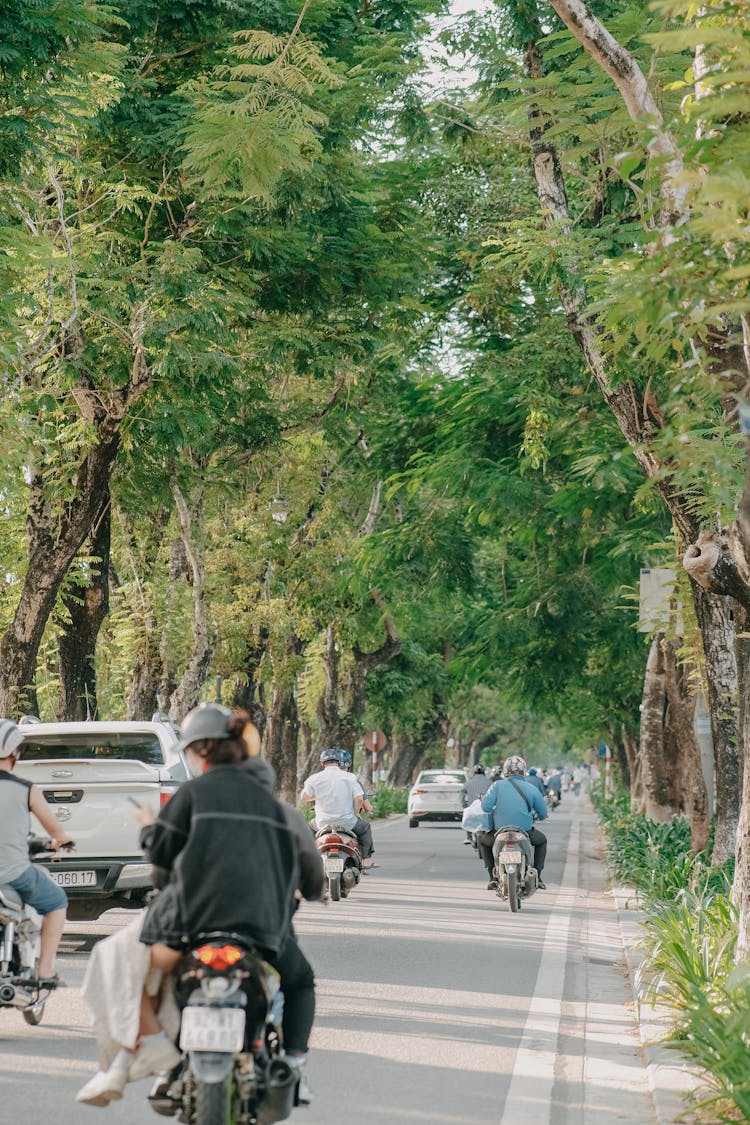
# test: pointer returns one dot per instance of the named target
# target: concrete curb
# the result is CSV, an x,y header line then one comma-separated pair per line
x,y
669,1079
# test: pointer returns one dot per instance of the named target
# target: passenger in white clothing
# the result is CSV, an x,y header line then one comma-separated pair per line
x,y
338,798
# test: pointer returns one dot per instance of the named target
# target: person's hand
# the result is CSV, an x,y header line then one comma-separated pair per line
x,y
144,814
67,844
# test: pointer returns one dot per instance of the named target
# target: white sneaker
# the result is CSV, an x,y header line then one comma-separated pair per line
x,y
106,1086
154,1055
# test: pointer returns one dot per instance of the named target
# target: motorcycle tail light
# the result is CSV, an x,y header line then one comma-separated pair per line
x,y
334,840
218,956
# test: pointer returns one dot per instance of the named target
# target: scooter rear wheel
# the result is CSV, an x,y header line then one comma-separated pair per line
x,y
212,1102
514,896
334,887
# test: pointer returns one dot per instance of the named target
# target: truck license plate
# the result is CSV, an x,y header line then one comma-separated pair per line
x,y
333,864
212,1029
74,878
507,856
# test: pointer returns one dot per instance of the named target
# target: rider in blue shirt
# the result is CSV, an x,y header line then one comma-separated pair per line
x,y
510,801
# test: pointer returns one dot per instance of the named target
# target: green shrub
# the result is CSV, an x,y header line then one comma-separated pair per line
x,y
691,935
385,801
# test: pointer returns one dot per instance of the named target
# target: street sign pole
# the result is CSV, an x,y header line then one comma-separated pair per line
x,y
607,773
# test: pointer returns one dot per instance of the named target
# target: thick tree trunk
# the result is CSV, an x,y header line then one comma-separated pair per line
x,y
656,787
681,696
741,886
87,606
717,627
407,757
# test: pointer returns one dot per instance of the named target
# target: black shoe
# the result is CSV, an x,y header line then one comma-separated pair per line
x,y
492,885
540,884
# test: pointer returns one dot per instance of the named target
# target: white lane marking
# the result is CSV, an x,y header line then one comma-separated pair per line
x,y
530,1092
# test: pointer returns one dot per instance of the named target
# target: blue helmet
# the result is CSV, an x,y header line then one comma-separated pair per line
x,y
330,755
346,760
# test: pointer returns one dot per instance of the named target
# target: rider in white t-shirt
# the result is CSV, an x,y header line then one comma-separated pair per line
x,y
338,799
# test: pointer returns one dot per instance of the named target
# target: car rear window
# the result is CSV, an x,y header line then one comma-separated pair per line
x,y
124,747
436,778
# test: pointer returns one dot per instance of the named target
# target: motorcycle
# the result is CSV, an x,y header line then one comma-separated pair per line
x,y
514,866
342,859
20,940
232,1070
552,797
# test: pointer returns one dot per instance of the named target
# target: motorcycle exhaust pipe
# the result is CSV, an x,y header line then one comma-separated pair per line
x,y
350,877
281,1085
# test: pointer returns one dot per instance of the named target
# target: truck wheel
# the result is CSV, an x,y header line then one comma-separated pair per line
x,y
413,822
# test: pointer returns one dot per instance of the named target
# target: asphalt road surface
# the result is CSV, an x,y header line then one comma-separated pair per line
x,y
436,1005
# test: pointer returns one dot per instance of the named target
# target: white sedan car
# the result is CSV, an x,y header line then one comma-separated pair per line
x,y
437,795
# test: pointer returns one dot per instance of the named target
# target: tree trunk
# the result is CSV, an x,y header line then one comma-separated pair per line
x,y
57,532
307,754
87,606
54,541
282,731
741,885
327,711
717,628
681,696
656,788
185,696
407,755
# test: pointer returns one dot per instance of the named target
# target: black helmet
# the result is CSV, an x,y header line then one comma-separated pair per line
x,y
207,720
479,768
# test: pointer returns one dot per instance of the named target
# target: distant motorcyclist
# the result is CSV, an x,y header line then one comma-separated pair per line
x,y
554,783
339,799
511,801
534,779
476,787
346,764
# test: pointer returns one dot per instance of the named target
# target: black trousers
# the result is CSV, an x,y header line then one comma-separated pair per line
x,y
538,843
298,986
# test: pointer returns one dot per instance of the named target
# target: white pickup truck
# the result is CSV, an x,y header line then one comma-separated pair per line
x,y
91,774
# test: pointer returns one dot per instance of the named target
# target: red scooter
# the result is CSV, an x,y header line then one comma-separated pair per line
x,y
342,859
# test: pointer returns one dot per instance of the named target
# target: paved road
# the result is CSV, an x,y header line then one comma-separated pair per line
x,y
435,1004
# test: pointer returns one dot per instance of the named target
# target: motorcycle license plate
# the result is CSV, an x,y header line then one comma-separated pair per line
x,y
334,864
212,1029
508,856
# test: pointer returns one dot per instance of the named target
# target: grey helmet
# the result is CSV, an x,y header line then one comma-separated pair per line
x,y
515,764
207,720
10,738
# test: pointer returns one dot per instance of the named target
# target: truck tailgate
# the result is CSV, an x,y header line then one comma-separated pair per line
x,y
93,801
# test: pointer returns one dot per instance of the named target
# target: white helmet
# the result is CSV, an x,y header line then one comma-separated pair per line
x,y
10,738
514,764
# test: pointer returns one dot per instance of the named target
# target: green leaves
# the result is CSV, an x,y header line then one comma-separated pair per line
x,y
253,120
